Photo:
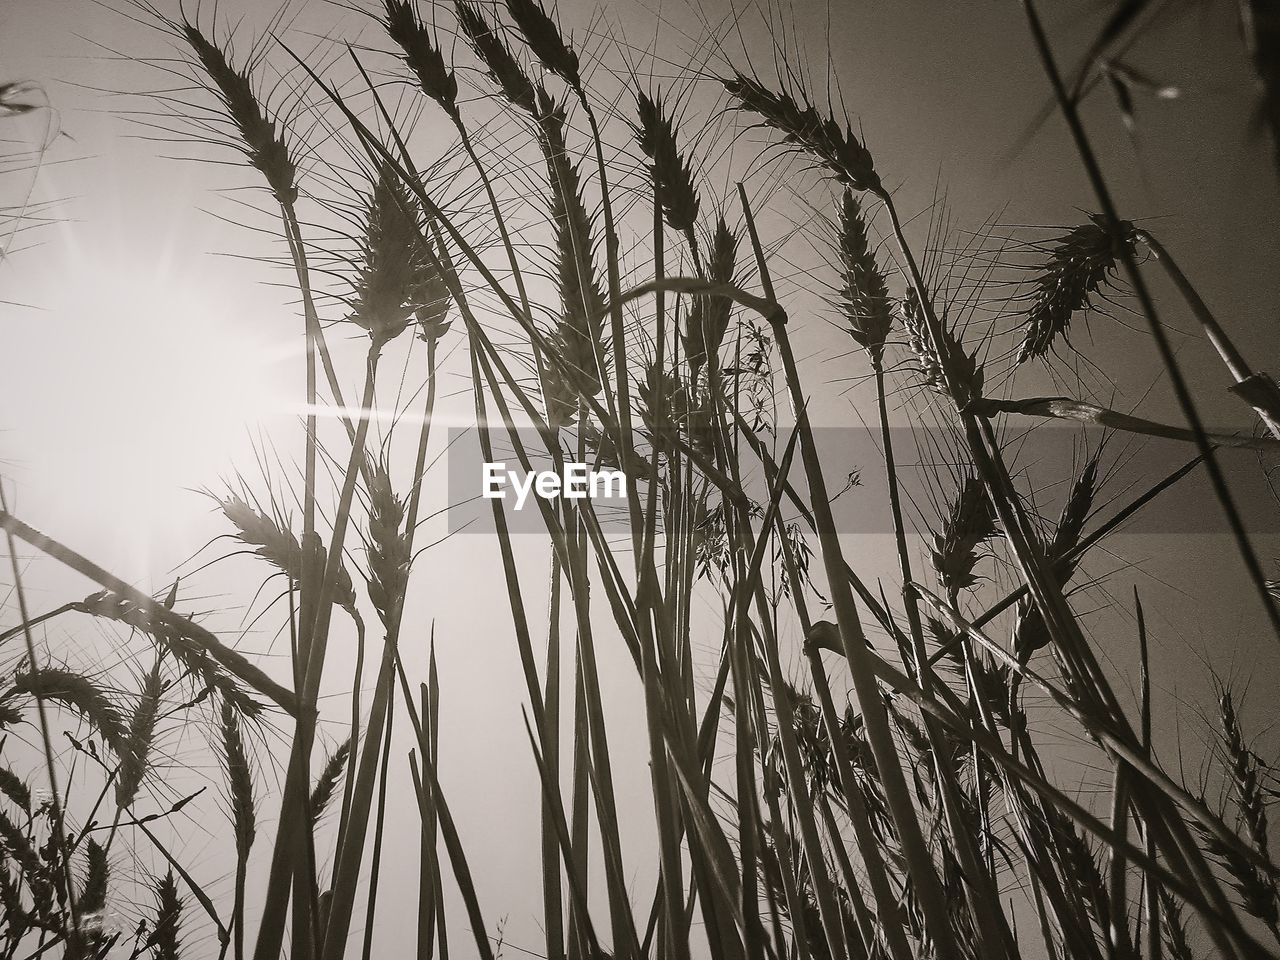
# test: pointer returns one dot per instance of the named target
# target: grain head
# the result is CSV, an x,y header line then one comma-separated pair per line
x,y
393,261
544,39
326,785
142,727
708,318
388,546
969,524
830,143
670,171
262,144
422,55
164,937
503,68
1079,264
239,781
864,296
947,368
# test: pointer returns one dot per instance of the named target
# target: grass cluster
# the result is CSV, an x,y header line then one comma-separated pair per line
x,y
613,309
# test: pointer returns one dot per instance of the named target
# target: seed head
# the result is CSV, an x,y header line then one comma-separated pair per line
x,y
422,56
969,524
544,39
709,316
142,726
80,694
164,934
388,546
111,606
327,783
93,895
1079,264
266,150
943,363
394,263
501,65
1174,928
672,177
1031,633
827,141
864,297
239,782
273,541
432,295
1257,892
278,545
579,334
15,788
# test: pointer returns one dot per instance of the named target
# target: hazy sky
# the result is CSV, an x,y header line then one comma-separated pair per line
x,y
146,354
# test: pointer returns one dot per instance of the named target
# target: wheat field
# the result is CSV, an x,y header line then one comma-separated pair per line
x,y
936,616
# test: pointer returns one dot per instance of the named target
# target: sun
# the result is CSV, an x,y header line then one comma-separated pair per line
x,y
139,386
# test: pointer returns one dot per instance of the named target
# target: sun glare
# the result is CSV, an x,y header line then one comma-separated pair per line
x,y
148,388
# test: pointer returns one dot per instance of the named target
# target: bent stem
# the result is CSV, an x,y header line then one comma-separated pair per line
x,y
1259,390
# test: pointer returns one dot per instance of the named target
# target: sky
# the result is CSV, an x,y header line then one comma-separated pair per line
x,y
148,353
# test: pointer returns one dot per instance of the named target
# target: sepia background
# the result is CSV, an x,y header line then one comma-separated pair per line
x,y
148,354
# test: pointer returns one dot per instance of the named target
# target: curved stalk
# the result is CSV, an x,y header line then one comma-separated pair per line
x,y
1257,389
